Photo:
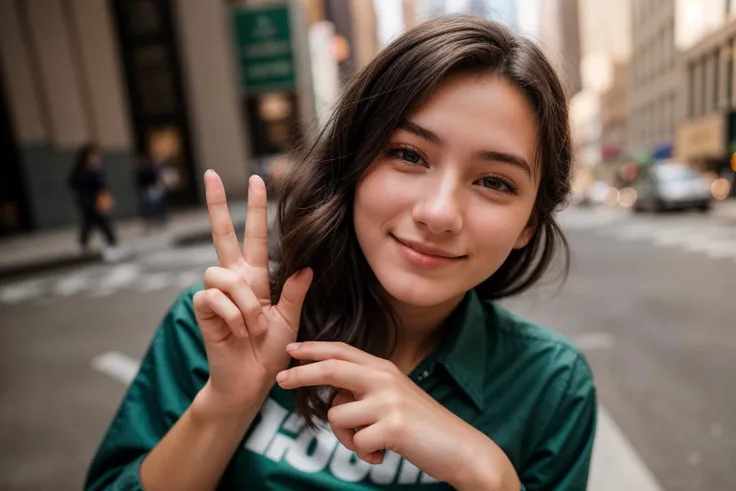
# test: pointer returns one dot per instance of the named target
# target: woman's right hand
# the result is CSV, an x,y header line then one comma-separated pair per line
x,y
245,336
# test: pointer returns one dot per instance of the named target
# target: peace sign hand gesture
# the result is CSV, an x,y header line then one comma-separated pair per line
x,y
245,336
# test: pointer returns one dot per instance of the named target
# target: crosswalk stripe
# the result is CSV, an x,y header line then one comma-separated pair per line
x,y
715,239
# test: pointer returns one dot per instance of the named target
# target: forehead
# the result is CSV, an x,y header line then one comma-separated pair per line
x,y
485,111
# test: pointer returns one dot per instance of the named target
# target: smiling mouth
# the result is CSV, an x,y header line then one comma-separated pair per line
x,y
427,250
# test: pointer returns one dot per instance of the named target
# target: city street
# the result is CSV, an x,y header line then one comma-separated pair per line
x,y
650,299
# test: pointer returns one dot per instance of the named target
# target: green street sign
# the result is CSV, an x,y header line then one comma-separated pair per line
x,y
263,46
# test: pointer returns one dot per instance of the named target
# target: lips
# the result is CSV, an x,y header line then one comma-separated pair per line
x,y
423,255
428,249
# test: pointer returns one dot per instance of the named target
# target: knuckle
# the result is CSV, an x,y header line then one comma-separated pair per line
x,y
342,348
360,443
212,294
233,319
392,403
241,282
386,377
209,275
330,368
396,423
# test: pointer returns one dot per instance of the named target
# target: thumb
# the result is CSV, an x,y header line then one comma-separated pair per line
x,y
292,296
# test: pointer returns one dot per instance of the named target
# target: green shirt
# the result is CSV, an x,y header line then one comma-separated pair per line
x,y
529,389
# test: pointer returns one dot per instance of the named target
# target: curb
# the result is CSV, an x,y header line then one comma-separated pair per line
x,y
47,265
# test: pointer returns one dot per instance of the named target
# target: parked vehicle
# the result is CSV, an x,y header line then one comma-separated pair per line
x,y
671,185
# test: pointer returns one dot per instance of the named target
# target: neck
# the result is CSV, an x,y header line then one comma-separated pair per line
x,y
419,331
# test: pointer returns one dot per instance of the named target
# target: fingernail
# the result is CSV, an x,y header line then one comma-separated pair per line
x,y
282,376
243,332
292,346
210,170
262,323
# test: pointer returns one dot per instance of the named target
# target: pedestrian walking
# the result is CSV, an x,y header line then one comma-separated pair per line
x,y
373,354
93,199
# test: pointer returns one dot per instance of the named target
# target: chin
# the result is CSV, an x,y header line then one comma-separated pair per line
x,y
418,291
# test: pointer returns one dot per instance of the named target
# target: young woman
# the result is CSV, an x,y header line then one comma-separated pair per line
x,y
430,195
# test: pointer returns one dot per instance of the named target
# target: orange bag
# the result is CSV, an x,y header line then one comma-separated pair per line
x,y
104,202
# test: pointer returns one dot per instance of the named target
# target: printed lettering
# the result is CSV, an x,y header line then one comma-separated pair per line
x,y
315,451
427,479
346,466
409,473
385,472
294,423
281,443
298,454
272,414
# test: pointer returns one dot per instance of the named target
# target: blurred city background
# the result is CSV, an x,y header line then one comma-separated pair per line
x,y
166,89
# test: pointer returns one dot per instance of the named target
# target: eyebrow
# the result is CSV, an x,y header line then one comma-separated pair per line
x,y
490,155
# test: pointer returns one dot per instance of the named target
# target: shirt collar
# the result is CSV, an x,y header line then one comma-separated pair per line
x,y
465,351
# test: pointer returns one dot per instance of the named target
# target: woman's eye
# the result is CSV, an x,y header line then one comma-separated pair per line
x,y
407,154
498,184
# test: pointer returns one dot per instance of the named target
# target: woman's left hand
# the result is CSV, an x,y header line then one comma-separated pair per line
x,y
379,408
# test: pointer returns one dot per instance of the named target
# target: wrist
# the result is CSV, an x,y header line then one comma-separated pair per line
x,y
209,407
487,468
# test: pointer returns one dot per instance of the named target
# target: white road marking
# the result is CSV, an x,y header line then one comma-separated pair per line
x,y
155,281
19,292
616,465
690,234
120,276
71,285
116,365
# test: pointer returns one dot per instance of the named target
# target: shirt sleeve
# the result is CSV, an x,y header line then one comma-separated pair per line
x,y
172,372
562,460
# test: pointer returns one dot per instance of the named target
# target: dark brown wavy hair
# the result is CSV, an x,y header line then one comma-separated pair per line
x,y
315,217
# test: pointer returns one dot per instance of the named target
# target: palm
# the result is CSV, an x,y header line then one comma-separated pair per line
x,y
236,362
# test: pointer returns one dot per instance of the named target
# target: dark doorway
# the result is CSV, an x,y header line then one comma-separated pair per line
x,y
15,213
149,50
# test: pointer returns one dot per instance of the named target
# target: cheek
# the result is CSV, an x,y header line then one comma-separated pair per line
x,y
378,199
496,232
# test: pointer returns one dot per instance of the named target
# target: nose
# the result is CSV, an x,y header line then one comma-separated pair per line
x,y
439,209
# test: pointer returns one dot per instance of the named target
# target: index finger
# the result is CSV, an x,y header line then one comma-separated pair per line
x,y
337,373
221,225
331,350
255,248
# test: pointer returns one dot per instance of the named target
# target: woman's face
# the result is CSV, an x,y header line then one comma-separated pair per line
x,y
450,197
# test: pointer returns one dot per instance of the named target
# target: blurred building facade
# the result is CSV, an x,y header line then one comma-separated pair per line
x,y
158,77
652,81
599,111
706,135
559,36
615,114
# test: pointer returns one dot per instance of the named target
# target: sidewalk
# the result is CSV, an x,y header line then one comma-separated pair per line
x,y
725,209
48,250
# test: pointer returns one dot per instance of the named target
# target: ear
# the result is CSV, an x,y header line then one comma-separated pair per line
x,y
526,235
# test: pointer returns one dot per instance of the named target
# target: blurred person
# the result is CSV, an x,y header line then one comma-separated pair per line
x,y
93,199
152,192
374,355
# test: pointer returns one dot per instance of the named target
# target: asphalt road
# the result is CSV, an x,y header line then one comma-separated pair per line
x,y
649,299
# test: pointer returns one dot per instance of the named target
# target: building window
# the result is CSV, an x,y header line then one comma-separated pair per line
x,y
690,91
703,101
716,74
